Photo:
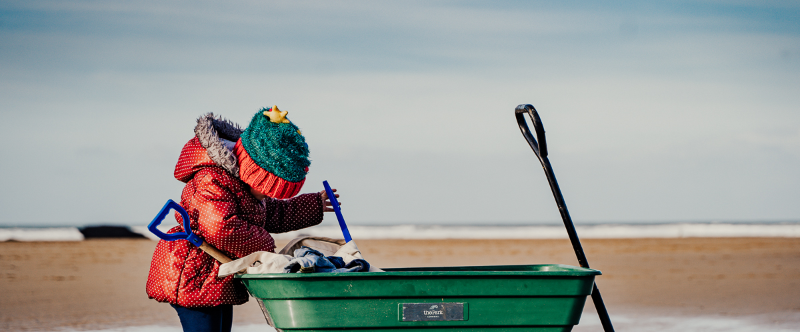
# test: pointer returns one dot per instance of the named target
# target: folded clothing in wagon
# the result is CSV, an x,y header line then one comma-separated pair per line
x,y
307,260
309,254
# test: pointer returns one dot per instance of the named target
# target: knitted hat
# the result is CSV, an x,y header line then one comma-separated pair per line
x,y
273,154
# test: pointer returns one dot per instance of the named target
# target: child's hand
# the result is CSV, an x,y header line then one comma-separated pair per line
x,y
327,206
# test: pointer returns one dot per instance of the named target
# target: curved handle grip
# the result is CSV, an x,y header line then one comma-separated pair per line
x,y
338,211
185,235
540,148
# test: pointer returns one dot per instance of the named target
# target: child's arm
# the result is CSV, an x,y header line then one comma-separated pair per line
x,y
286,215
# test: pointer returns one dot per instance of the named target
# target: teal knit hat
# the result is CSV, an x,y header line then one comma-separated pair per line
x,y
273,157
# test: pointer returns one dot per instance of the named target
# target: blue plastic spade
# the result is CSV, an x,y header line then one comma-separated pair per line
x,y
187,231
338,211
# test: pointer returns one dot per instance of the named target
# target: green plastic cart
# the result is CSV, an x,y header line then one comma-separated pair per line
x,y
470,298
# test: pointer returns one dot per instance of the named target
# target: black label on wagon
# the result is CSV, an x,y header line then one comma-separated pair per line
x,y
420,312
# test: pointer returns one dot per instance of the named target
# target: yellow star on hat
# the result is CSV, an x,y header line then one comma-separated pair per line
x,y
276,116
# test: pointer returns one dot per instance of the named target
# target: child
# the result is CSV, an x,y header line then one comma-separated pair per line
x,y
237,183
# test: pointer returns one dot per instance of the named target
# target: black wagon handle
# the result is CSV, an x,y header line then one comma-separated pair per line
x,y
539,148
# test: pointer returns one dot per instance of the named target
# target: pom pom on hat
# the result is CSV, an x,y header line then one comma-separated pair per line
x,y
273,155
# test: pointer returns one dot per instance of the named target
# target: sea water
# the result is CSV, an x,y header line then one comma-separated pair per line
x,y
555,231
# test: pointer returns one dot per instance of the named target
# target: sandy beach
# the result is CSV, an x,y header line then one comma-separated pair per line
x,y
99,284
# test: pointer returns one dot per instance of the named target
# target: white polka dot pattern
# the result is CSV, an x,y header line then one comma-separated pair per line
x,y
227,216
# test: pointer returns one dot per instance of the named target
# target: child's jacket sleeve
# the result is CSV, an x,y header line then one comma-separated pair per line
x,y
286,215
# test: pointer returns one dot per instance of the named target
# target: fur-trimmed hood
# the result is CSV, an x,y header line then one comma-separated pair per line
x,y
211,147
211,131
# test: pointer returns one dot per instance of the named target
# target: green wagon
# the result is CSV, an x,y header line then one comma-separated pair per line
x,y
471,298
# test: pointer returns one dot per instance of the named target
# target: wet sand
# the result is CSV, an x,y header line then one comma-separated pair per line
x,y
99,284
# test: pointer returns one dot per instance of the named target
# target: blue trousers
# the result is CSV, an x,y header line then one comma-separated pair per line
x,y
206,319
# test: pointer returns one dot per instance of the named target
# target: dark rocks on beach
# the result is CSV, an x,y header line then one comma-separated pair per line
x,y
109,232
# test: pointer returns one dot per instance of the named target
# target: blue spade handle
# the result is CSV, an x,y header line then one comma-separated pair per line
x,y
185,235
338,211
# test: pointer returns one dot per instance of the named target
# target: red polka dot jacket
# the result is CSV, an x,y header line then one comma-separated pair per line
x,y
226,215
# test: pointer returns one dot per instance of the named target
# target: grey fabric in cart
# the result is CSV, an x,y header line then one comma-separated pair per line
x,y
269,262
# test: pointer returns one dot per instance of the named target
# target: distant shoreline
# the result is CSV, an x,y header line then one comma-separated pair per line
x,y
411,231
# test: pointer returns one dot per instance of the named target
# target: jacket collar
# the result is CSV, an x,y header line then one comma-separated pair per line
x,y
210,130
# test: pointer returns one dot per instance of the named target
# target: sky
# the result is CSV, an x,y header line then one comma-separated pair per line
x,y
675,111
